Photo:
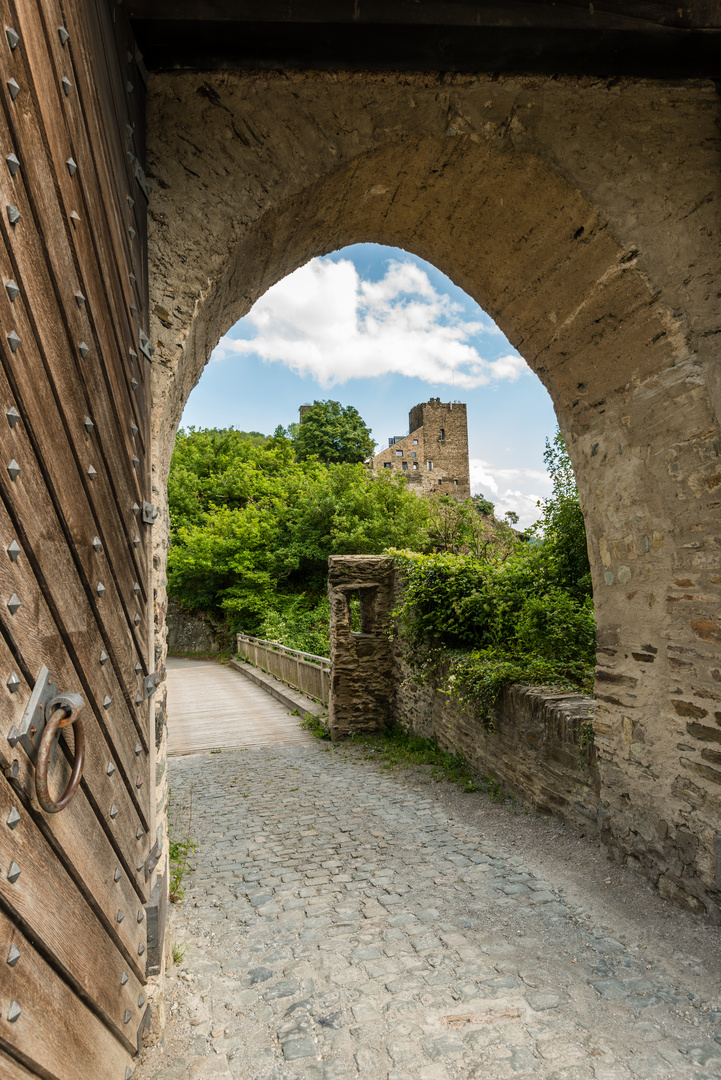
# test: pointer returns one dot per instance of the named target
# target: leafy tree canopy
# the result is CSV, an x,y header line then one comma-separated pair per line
x,y
252,529
333,433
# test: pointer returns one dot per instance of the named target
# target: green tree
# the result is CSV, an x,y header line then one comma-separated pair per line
x,y
333,433
561,524
252,530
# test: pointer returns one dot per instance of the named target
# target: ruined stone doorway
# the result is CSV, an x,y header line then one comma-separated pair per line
x,y
578,214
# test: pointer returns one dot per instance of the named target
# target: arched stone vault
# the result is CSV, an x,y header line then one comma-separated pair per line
x,y
582,216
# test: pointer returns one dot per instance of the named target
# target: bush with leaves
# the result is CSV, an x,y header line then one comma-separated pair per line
x,y
524,616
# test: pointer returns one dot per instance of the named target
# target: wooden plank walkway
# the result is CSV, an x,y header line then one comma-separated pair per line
x,y
212,707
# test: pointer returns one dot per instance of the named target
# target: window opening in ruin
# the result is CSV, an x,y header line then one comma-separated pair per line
x,y
443,434
404,464
387,465
399,453
415,464
415,442
354,611
430,466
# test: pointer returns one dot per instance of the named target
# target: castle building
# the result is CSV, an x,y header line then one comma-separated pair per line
x,y
433,456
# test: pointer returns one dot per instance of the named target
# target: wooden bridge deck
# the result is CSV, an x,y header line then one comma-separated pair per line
x,y
211,707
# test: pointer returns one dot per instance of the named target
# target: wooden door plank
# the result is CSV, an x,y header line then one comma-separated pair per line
x,y
30,393
91,320
46,902
101,34
75,835
43,366
53,111
81,613
55,1032
51,217
43,573
10,1069
101,232
36,640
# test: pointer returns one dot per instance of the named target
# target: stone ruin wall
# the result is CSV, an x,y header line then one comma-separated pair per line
x,y
534,752
362,674
450,474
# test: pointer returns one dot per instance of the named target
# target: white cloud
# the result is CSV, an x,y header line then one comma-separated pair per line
x,y
324,321
529,487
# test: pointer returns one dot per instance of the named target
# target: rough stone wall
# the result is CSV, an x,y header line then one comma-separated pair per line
x,y
582,215
534,751
438,434
361,675
188,633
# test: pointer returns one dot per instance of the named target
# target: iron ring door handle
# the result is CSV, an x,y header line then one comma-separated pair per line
x,y
63,711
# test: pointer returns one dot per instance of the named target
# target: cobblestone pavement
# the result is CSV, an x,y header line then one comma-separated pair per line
x,y
341,924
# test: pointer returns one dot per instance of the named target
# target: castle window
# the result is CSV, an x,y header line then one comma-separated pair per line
x,y
439,481
413,453
399,453
415,442
404,464
415,464
386,465
430,466
443,433
455,483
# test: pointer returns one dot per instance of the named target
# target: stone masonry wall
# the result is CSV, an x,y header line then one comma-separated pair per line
x,y
438,433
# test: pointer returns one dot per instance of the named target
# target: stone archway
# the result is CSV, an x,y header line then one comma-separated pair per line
x,y
580,215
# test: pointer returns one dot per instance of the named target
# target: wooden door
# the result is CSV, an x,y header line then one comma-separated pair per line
x,y
75,532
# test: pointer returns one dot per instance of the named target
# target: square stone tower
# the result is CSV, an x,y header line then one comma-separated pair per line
x,y
433,456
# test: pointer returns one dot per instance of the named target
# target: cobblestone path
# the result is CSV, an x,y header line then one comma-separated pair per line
x,y
340,924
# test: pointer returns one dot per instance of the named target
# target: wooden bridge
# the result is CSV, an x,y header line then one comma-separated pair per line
x,y
213,707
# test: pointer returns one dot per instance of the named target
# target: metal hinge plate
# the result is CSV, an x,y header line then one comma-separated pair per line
x,y
33,722
149,513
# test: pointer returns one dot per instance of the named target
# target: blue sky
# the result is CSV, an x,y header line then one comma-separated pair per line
x,y
380,329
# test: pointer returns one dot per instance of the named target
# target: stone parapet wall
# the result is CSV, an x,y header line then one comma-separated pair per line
x,y
533,748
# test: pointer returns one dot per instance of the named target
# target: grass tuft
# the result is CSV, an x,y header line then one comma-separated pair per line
x,y
180,844
398,749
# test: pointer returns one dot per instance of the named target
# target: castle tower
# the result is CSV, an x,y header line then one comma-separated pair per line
x,y
434,455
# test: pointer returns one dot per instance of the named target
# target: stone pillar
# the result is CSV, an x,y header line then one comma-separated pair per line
x,y
361,675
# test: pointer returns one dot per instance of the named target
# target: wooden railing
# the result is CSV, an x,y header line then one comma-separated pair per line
x,y
300,670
